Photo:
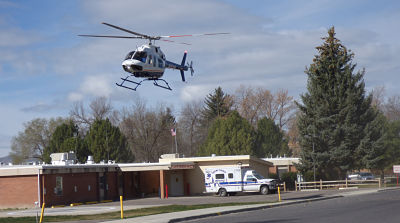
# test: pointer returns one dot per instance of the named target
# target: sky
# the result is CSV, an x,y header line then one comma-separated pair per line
x,y
45,67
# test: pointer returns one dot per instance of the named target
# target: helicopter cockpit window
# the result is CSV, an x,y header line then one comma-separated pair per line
x,y
140,56
129,56
160,63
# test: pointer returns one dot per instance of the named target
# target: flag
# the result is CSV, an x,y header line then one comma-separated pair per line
x,y
173,132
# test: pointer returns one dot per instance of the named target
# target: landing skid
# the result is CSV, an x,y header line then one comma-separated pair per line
x,y
155,82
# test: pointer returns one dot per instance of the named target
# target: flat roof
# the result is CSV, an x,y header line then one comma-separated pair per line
x,y
283,161
19,170
163,164
215,159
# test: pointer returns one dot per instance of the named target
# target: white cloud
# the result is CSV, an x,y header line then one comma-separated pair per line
x,y
92,86
74,96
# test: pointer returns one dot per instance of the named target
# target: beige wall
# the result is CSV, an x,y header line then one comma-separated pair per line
x,y
18,191
260,168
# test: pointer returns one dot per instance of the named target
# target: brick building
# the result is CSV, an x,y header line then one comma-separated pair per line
x,y
63,183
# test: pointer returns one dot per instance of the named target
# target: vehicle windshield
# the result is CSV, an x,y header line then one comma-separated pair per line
x,y
258,176
365,174
129,56
140,56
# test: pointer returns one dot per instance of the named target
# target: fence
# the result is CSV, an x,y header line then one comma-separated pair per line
x,y
337,184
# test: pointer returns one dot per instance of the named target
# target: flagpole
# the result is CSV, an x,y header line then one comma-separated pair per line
x,y
176,144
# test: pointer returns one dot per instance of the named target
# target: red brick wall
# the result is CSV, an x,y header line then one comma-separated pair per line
x,y
18,191
150,182
80,180
112,193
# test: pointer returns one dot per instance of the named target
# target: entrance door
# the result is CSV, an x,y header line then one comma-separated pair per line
x,y
102,186
176,184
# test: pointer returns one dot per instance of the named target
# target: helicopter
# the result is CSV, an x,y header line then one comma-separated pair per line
x,y
148,61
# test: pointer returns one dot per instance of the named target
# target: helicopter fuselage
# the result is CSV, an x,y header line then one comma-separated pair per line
x,y
145,61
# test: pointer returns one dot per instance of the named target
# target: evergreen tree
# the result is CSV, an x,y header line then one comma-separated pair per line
x,y
217,105
231,136
336,115
106,142
270,140
65,139
392,145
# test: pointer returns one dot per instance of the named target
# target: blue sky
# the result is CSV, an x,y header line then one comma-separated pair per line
x,y
45,66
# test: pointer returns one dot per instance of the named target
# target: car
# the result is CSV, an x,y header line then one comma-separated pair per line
x,y
361,176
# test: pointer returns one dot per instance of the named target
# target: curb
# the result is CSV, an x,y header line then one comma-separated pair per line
x,y
388,188
253,208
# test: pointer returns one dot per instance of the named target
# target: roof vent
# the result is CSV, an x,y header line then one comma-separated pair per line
x,y
90,160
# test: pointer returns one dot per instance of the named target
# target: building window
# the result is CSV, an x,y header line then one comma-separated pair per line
x,y
58,190
220,176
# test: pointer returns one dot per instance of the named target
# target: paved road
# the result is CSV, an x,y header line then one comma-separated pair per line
x,y
378,207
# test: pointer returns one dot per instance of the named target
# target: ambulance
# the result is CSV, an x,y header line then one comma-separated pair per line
x,y
229,180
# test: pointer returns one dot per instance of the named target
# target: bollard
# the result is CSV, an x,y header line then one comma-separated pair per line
x,y
279,193
284,186
122,207
41,214
166,191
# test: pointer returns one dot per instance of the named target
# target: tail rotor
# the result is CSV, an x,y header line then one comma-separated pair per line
x,y
190,66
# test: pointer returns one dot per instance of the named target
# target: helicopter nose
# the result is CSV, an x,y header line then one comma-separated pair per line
x,y
125,68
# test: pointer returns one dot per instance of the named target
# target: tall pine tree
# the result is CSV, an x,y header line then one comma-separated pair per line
x,y
270,140
218,104
229,136
106,142
66,138
337,125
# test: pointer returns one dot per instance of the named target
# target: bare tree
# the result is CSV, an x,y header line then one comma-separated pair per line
x,y
285,107
392,108
147,130
99,108
191,131
293,135
378,97
254,104
30,143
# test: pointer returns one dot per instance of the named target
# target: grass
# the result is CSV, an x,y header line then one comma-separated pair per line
x,y
127,214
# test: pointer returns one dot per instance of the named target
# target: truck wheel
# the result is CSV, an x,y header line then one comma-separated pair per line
x,y
222,192
264,190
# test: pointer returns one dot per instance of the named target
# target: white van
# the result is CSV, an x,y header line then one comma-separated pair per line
x,y
229,180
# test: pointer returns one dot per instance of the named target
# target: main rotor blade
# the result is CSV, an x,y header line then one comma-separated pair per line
x,y
128,31
124,37
189,35
170,41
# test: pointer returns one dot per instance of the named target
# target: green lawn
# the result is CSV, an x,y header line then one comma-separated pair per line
x,y
127,214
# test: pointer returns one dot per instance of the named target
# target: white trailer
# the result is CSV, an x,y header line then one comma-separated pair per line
x,y
229,180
